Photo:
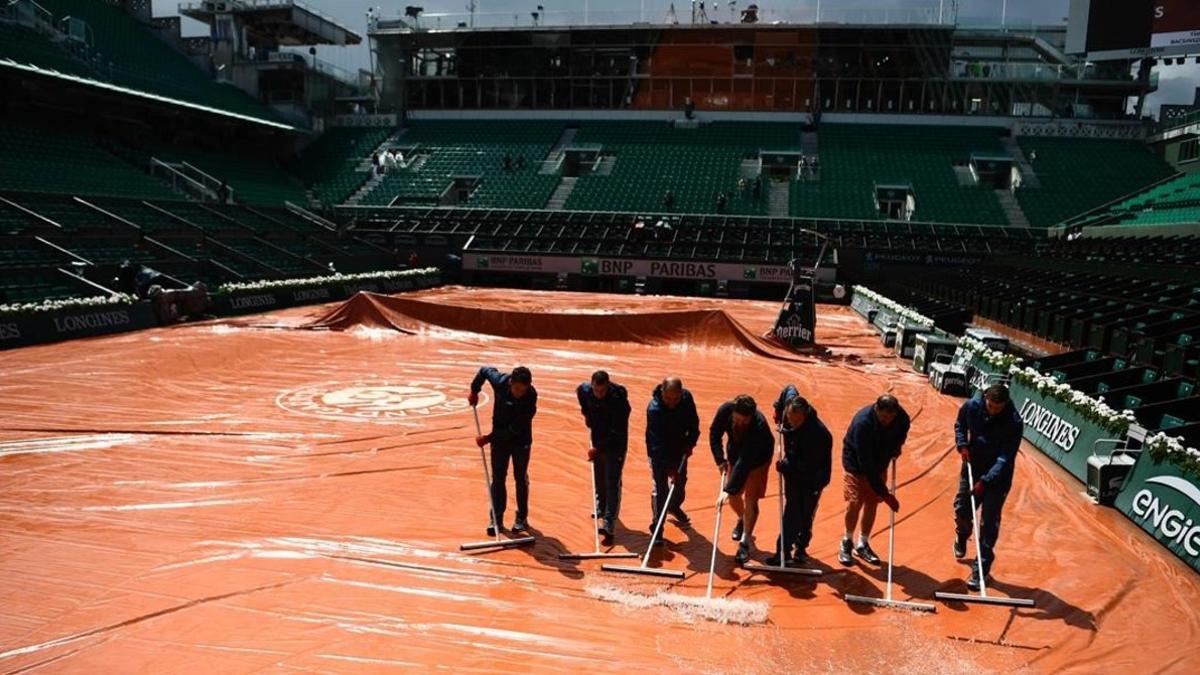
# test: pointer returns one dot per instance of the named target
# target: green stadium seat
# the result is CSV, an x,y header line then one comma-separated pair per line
x,y
64,162
854,158
128,54
472,148
330,164
1080,174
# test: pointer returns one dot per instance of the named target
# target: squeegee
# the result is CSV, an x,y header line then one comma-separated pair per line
x,y
782,567
983,597
886,600
498,542
644,568
596,531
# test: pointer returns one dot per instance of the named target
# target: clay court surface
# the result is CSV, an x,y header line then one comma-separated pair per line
x,y
250,496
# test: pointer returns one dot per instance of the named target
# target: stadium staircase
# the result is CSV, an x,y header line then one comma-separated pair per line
x,y
1012,209
338,163
561,193
779,197
363,190
810,145
1029,177
553,160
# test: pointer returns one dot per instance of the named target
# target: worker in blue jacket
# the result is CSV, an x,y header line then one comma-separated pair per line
x,y
511,437
605,408
988,435
806,467
744,462
873,440
672,431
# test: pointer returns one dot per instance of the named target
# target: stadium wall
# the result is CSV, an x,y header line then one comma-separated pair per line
x,y
22,329
1164,500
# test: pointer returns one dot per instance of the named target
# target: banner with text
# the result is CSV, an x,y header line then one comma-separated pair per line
x,y
1058,431
625,267
1163,502
37,328
797,320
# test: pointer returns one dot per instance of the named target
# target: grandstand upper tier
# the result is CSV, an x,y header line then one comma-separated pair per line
x,y
121,49
853,62
939,172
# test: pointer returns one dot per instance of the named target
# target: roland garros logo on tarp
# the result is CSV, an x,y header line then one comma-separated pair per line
x,y
380,401
1166,521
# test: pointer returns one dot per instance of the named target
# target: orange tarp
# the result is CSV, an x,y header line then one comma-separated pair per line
x,y
257,495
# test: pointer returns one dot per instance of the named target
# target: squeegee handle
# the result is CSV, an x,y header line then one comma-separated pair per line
x,y
975,526
487,476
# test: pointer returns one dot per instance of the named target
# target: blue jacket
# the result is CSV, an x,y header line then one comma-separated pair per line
x,y
992,439
607,417
807,449
745,454
868,447
671,431
512,418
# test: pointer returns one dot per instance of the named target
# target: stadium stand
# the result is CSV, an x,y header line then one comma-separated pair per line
x,y
695,164
1175,252
126,53
25,45
65,162
856,158
1080,174
438,152
330,165
254,180
1171,202
685,237
1137,313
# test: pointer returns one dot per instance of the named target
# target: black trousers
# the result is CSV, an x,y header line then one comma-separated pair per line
x,y
658,497
607,469
990,504
520,468
799,511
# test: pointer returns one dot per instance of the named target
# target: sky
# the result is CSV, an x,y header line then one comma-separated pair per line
x,y
1177,83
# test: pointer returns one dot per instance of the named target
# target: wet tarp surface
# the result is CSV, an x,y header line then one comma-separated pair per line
x,y
288,492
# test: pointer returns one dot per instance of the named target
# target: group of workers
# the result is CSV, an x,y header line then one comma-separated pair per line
x,y
987,435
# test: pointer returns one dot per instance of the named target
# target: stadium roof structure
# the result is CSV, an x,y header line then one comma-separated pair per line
x,y
284,22
661,17
136,93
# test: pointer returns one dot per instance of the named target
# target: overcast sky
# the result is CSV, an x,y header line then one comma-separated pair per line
x,y
1176,82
